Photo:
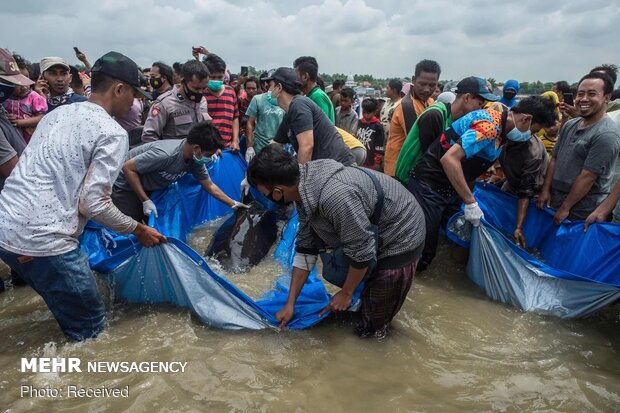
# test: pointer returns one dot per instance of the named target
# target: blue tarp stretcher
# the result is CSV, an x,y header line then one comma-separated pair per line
x,y
576,273
175,273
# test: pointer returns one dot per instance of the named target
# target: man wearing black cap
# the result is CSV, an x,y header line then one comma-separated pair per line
x,y
64,179
305,125
471,94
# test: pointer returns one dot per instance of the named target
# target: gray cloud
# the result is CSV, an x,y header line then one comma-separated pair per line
x,y
527,40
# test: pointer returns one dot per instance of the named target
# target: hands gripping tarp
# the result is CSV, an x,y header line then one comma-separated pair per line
x,y
577,275
174,273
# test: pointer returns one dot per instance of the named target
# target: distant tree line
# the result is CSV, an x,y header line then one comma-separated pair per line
x,y
527,88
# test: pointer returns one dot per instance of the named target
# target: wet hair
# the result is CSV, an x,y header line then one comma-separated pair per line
x,y
608,84
193,68
273,166
205,135
347,92
214,63
338,83
396,84
611,70
563,86
164,70
176,67
307,65
428,66
542,110
252,79
101,83
369,105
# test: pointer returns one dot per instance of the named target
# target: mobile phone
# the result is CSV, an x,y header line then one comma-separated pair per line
x,y
244,70
568,99
77,51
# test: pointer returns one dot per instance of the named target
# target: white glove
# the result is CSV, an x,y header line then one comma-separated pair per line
x,y
238,205
249,154
245,186
149,207
473,213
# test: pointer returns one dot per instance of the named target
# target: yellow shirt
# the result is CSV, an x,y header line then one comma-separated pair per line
x,y
350,140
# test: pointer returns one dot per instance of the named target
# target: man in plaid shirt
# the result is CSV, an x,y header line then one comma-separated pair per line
x,y
335,204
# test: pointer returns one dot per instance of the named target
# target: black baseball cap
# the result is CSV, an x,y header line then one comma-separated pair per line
x,y
284,75
477,86
120,67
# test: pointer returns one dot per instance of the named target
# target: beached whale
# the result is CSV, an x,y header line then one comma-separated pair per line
x,y
245,238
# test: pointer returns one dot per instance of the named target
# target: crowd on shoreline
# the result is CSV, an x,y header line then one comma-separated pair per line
x,y
373,180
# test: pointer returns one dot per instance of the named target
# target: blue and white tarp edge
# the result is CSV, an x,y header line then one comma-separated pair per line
x,y
509,274
505,276
174,273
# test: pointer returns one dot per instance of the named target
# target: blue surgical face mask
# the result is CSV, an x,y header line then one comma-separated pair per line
x,y
6,90
516,135
215,85
271,99
206,161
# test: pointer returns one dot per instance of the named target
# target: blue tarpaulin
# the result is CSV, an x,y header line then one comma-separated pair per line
x,y
572,274
174,273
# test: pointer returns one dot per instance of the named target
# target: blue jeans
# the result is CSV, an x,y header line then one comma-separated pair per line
x,y
68,287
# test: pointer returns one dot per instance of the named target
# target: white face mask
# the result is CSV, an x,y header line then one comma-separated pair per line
x,y
516,135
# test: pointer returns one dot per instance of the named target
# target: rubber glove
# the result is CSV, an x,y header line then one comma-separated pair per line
x,y
249,154
238,205
149,207
245,186
473,213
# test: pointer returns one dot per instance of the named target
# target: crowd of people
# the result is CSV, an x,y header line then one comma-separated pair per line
x,y
373,180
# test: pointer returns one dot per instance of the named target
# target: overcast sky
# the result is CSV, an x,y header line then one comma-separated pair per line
x,y
528,40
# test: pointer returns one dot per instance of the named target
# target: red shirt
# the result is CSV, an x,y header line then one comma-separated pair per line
x,y
223,110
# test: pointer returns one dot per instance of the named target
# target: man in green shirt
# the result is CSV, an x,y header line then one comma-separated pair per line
x,y
307,70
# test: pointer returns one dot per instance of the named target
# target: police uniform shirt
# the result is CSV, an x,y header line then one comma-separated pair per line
x,y
172,116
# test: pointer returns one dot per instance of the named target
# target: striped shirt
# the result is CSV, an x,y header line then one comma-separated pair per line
x,y
337,203
223,110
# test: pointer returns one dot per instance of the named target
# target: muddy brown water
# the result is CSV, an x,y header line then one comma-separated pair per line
x,y
451,349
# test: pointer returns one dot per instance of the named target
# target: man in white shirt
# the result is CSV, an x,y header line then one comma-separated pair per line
x,y
63,179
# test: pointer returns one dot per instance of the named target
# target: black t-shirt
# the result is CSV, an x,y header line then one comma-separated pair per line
x,y
429,168
372,136
430,127
304,115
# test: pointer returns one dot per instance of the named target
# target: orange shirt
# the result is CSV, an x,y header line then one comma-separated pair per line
x,y
398,133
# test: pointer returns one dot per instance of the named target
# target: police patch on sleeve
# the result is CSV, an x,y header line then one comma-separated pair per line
x,y
155,111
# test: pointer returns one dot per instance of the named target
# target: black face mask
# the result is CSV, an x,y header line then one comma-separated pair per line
x,y
156,82
510,94
193,96
281,201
